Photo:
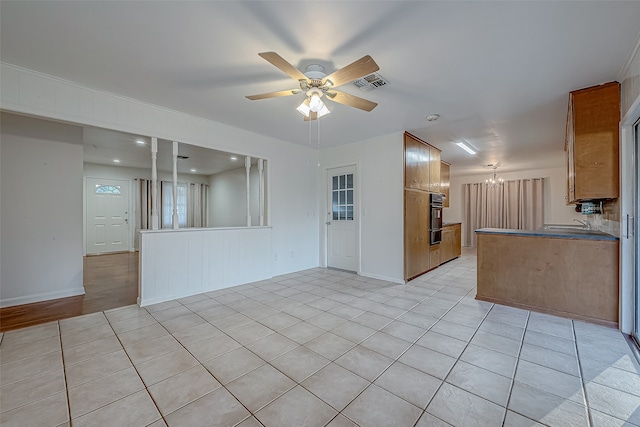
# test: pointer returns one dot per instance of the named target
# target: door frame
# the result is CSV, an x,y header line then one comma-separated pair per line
x,y
627,273
132,212
324,228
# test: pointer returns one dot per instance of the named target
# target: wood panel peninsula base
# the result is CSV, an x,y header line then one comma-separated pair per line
x,y
572,274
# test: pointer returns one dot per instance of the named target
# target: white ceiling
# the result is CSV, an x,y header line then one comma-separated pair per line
x,y
498,73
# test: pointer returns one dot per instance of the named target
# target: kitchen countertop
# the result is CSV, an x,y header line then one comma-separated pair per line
x,y
553,233
444,224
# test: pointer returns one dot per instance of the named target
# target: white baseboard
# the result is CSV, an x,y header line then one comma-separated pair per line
x,y
388,279
28,299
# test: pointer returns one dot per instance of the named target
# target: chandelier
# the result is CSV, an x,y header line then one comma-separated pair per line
x,y
494,181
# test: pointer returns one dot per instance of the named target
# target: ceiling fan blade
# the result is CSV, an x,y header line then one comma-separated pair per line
x,y
352,100
355,70
274,94
312,116
283,65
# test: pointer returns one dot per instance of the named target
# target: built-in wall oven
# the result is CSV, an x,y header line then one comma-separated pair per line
x,y
435,226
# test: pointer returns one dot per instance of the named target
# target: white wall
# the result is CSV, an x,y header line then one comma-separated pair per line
x,y
292,197
41,202
228,201
556,210
380,176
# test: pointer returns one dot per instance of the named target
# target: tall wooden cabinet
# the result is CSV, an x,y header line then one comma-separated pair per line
x,y
592,143
421,177
416,232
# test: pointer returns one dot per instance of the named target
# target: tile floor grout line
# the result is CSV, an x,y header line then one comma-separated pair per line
x,y
64,370
582,384
515,369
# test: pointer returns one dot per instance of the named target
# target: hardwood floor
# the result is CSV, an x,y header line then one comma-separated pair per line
x,y
110,281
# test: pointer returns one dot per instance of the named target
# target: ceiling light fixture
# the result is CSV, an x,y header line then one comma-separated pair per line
x,y
494,181
432,117
140,142
465,147
193,170
234,158
116,161
314,104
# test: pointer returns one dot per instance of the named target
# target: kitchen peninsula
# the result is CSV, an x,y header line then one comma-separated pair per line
x,y
565,272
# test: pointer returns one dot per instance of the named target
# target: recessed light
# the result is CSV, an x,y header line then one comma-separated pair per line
x,y
140,142
432,117
234,158
465,147
116,161
193,170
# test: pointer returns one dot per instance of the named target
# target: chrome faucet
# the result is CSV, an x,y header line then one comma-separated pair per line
x,y
585,223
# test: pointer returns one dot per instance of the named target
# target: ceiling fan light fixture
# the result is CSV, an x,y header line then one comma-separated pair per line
x,y
304,108
315,103
323,111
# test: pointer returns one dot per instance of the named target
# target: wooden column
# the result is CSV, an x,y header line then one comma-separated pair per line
x,y
174,218
154,184
247,166
261,171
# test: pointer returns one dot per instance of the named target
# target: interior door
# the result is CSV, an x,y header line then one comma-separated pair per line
x,y
342,219
107,215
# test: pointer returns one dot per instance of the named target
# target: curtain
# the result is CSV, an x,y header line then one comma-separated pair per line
x,y
197,205
192,204
143,207
516,204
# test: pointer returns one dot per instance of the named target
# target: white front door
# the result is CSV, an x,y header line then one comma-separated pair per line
x,y
107,215
342,219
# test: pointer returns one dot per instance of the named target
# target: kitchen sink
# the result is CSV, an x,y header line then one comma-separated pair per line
x,y
564,227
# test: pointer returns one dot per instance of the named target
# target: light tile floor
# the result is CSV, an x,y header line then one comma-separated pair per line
x,y
321,347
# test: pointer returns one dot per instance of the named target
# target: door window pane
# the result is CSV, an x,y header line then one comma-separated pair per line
x,y
342,197
107,189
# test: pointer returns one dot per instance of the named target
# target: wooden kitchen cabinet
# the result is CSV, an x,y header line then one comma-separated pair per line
x,y
421,178
434,170
591,143
457,240
434,256
451,244
416,233
445,178
416,163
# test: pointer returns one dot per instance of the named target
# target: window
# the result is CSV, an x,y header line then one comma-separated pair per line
x,y
342,197
107,189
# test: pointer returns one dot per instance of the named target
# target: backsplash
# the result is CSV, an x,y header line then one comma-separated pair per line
x,y
609,220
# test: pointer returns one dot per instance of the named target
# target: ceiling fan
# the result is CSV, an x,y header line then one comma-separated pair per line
x,y
315,83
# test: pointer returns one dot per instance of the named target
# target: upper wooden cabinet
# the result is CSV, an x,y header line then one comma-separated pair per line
x,y
445,178
592,141
421,165
416,163
434,170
